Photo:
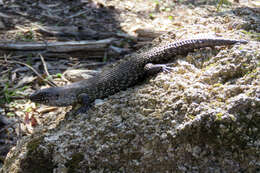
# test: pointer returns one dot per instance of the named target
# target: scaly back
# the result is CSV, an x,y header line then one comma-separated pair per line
x,y
159,54
129,72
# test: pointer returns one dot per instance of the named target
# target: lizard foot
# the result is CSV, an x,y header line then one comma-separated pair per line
x,y
165,68
82,110
156,68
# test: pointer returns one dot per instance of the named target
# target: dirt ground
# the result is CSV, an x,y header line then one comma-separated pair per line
x,y
131,25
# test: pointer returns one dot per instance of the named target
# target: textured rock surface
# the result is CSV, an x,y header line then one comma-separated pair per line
x,y
202,117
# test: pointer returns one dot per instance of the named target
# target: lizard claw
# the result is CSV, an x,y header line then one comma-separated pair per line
x,y
166,69
156,68
163,67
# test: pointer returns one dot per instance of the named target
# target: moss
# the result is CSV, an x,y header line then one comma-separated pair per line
x,y
73,164
8,162
209,66
38,159
252,73
192,117
217,85
217,103
219,115
233,118
34,144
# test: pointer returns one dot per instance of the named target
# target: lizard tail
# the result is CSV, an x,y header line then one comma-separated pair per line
x,y
182,47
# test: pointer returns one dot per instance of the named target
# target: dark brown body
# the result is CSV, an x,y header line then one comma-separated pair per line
x,y
123,75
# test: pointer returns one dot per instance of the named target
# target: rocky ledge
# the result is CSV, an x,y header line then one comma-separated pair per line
x,y
204,116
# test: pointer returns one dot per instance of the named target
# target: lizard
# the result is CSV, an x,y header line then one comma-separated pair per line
x,y
123,75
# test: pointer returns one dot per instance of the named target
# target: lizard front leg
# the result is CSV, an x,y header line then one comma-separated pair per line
x,y
152,69
84,100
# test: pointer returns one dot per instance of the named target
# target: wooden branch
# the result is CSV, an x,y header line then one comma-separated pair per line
x,y
22,46
72,31
149,34
58,47
98,55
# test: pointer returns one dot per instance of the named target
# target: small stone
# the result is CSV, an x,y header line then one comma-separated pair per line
x,y
99,102
2,25
77,75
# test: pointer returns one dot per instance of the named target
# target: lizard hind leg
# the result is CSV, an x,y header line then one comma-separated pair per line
x,y
152,69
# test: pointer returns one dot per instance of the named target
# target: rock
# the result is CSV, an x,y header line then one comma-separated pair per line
x,y
2,25
205,120
99,102
79,74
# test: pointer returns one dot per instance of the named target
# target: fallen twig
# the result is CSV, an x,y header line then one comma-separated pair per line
x,y
30,67
44,65
78,14
70,31
97,64
69,46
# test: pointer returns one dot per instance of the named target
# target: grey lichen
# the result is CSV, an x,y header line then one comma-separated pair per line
x,y
73,163
38,159
33,156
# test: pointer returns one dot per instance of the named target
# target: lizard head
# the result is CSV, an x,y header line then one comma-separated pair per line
x,y
54,96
